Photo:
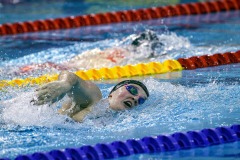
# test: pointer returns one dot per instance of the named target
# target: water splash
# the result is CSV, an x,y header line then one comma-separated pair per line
x,y
170,108
168,105
19,111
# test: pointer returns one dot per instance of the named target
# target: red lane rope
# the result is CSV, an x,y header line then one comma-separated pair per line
x,y
210,60
119,16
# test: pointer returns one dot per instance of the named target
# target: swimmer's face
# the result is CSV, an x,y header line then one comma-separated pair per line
x,y
127,97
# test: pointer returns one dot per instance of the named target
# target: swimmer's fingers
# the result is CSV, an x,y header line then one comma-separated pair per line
x,y
42,96
46,97
41,100
49,95
50,92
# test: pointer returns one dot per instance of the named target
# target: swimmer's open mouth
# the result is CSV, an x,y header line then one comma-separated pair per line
x,y
128,104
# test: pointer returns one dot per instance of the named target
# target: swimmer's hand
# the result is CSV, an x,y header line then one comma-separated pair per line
x,y
51,92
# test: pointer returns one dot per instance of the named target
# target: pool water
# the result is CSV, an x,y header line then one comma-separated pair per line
x,y
228,151
15,11
179,101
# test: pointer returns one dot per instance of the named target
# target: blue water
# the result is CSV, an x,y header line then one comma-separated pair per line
x,y
229,151
43,9
179,101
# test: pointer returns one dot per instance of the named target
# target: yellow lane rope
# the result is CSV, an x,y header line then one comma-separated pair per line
x,y
102,73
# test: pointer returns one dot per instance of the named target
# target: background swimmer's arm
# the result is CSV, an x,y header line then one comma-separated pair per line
x,y
32,67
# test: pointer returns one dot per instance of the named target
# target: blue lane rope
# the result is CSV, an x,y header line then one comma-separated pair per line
x,y
156,144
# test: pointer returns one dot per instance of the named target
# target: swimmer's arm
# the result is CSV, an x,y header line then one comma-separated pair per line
x,y
54,91
68,83
70,78
78,116
84,93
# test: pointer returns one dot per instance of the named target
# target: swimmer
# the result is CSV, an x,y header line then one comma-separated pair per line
x,y
96,58
84,95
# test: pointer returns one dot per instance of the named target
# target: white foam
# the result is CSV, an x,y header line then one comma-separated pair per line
x,y
20,111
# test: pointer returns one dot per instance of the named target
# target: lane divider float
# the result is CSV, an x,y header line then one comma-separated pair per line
x,y
102,73
119,16
157,144
210,60
140,69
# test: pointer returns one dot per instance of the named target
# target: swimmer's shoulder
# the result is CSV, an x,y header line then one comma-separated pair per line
x,y
92,90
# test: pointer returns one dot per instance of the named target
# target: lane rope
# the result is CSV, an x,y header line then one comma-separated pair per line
x,y
116,72
210,60
119,16
140,69
157,144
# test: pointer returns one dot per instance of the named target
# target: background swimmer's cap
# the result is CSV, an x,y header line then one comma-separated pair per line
x,y
120,84
145,36
147,39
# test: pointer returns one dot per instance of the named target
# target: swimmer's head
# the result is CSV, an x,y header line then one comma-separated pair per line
x,y
148,35
148,40
127,94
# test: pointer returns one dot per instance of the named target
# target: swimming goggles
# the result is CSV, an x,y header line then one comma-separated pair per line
x,y
134,91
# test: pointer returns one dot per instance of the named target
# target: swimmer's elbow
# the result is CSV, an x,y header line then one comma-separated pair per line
x,y
69,77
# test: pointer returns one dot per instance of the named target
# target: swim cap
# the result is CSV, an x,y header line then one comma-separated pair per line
x,y
120,84
145,36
